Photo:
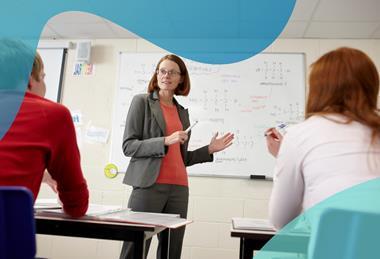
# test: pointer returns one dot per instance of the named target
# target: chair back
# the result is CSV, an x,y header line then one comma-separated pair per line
x,y
346,234
17,225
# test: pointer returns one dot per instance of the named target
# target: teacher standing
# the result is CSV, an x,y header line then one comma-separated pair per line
x,y
156,140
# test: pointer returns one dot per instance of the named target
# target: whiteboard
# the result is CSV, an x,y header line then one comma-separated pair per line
x,y
54,61
245,98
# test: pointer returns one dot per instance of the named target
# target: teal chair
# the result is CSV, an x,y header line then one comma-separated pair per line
x,y
17,225
346,234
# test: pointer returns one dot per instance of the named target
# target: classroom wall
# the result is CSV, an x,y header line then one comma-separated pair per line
x,y
213,201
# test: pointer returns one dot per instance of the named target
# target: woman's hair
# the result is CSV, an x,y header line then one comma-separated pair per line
x,y
182,88
345,81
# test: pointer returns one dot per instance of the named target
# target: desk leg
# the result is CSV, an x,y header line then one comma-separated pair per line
x,y
241,250
165,243
139,247
246,248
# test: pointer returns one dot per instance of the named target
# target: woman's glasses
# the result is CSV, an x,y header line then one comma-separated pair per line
x,y
163,72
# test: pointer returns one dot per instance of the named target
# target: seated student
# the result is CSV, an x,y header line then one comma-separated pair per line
x,y
41,137
338,144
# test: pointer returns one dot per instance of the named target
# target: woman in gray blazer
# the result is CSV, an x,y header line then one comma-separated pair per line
x,y
156,140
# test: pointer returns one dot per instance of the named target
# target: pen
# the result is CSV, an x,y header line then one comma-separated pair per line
x,y
191,126
279,127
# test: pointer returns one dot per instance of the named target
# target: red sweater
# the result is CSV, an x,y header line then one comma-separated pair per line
x,y
173,170
43,136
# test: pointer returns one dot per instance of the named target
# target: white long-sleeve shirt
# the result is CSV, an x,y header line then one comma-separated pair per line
x,y
318,158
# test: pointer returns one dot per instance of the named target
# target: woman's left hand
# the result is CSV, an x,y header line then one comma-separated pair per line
x,y
219,144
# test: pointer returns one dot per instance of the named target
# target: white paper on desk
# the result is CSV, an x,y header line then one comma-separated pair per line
x,y
99,210
156,219
43,204
252,224
94,210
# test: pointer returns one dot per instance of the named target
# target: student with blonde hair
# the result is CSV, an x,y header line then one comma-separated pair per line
x,y
42,135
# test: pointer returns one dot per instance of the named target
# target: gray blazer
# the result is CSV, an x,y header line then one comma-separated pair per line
x,y
143,140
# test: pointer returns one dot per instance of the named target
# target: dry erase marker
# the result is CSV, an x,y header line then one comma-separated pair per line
x,y
260,177
191,126
282,128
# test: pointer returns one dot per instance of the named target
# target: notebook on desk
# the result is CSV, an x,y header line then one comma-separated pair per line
x,y
44,204
157,219
252,224
117,214
94,210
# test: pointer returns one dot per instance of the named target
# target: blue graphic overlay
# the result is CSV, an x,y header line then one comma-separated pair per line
x,y
16,60
214,31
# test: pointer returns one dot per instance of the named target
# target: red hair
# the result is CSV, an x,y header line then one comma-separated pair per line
x,y
345,81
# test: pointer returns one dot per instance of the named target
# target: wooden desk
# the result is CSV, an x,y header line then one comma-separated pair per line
x,y
100,229
251,240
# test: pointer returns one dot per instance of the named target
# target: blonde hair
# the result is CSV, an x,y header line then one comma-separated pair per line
x,y
38,65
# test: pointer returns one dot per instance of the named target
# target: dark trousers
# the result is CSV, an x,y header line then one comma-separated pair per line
x,y
160,198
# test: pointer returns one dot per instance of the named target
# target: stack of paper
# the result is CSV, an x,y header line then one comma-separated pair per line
x,y
99,210
156,219
252,224
51,207
109,213
43,204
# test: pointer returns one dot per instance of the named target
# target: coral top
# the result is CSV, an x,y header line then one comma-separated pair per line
x,y
173,170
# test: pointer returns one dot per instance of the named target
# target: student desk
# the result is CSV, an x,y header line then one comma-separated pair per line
x,y
251,240
101,229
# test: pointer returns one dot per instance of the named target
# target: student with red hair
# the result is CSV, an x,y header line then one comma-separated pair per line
x,y
338,144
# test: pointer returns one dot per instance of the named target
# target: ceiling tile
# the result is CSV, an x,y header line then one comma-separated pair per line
x,y
348,10
120,31
303,10
48,33
294,30
340,30
376,34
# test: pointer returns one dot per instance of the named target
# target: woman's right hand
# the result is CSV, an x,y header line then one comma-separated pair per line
x,y
50,181
178,136
274,139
